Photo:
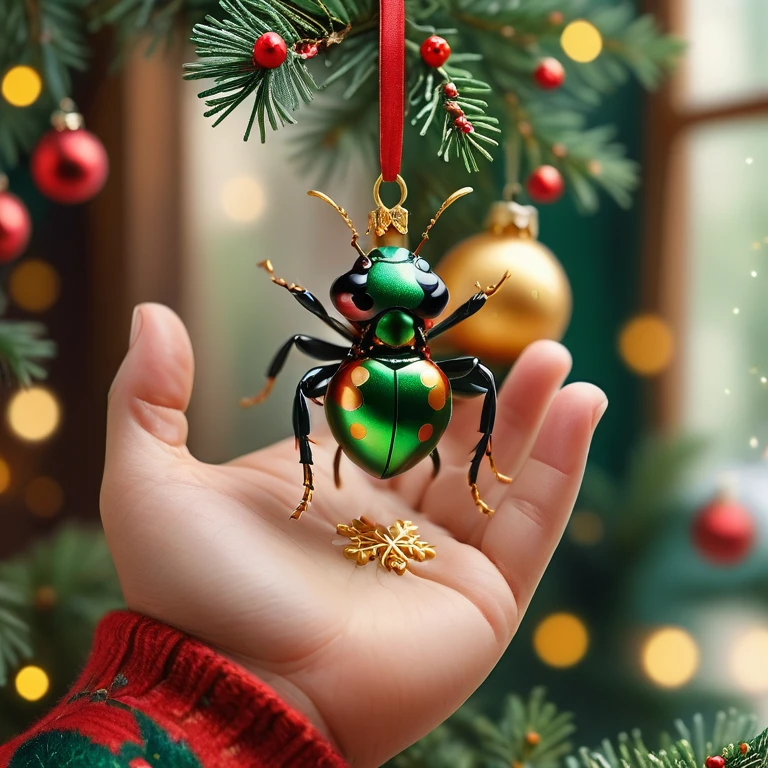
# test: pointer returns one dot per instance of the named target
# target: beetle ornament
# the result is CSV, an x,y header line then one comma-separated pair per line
x,y
387,402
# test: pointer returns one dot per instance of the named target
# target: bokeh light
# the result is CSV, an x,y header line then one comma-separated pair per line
x,y
586,527
5,475
242,199
646,345
21,86
670,657
32,683
748,660
44,497
34,414
34,285
581,41
561,640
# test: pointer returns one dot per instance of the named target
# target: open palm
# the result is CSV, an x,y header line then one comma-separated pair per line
x,y
374,660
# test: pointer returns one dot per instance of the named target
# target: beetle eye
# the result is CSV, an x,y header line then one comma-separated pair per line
x,y
423,265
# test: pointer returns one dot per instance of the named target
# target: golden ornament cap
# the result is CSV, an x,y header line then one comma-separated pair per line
x,y
509,217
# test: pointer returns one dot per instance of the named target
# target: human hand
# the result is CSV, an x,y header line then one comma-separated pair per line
x,y
374,660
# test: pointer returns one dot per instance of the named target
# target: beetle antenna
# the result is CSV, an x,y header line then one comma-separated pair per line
x,y
452,199
343,214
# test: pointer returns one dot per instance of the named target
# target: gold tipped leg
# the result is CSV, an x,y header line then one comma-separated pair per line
x,y
499,476
306,499
393,547
491,289
260,397
266,265
479,503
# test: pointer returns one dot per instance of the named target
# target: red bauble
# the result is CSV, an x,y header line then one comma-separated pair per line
x,y
715,761
435,51
450,91
549,74
70,166
15,227
723,532
545,184
269,51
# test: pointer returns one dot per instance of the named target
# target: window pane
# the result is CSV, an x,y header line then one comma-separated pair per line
x,y
727,57
726,366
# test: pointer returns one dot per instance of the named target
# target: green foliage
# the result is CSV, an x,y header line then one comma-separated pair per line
x,y
21,349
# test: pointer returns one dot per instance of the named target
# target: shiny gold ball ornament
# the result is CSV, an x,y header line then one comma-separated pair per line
x,y
535,303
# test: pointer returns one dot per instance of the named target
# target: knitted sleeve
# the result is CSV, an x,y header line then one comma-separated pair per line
x,y
151,696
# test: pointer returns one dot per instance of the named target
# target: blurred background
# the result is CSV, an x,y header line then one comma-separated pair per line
x,y
656,604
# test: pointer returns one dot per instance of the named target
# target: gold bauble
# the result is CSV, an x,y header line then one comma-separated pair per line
x,y
535,303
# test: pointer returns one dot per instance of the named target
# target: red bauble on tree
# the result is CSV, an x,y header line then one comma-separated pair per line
x,y
715,761
15,227
549,74
269,51
70,166
723,531
435,51
545,184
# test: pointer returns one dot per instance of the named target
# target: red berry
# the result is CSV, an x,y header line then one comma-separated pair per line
x,y
744,747
307,50
716,761
545,184
450,91
463,125
435,51
269,51
549,74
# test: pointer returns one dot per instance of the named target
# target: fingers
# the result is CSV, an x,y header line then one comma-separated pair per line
x,y
521,537
151,391
523,402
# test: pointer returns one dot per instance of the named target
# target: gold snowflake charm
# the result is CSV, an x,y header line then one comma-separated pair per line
x,y
392,546
380,220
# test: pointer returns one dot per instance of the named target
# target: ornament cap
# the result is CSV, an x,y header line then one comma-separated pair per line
x,y
66,117
507,216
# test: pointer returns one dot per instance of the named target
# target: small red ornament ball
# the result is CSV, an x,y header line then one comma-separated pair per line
x,y
715,761
70,166
549,74
450,91
269,51
545,184
723,532
15,227
435,51
463,124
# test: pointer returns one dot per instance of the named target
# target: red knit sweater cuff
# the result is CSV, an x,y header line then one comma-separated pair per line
x,y
227,717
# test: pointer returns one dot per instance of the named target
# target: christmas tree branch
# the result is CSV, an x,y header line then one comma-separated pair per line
x,y
21,350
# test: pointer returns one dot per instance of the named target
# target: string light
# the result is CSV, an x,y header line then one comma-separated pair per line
x,y
21,86
755,246
753,273
32,683
736,310
670,657
561,640
242,199
34,285
33,414
44,497
750,160
5,476
754,442
586,527
747,660
581,41
646,345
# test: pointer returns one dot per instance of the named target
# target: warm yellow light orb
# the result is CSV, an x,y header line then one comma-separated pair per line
x,y
561,640
581,41
748,661
32,683
44,497
646,345
586,527
21,86
242,199
34,285
670,657
33,414
5,476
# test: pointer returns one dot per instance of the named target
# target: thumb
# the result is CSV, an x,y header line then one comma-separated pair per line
x,y
151,391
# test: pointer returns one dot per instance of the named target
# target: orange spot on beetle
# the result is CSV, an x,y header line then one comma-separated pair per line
x,y
359,375
430,377
350,398
425,432
358,431
437,397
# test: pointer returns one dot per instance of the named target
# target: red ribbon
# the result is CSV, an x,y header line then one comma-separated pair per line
x,y
391,86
